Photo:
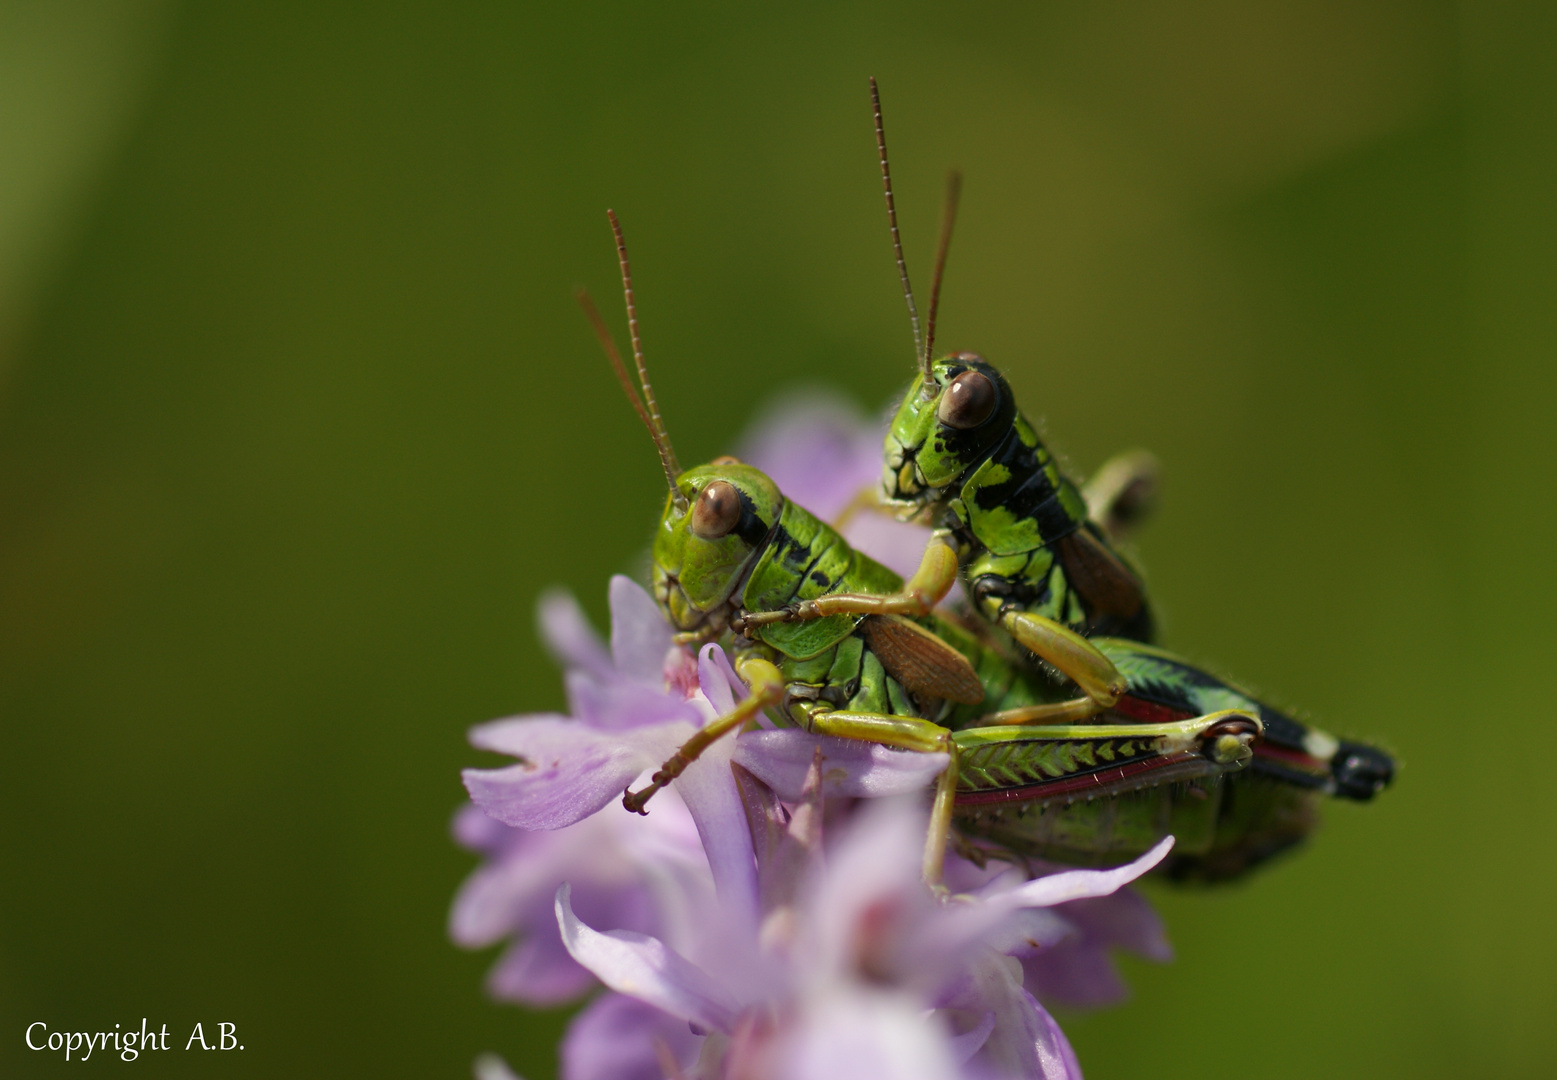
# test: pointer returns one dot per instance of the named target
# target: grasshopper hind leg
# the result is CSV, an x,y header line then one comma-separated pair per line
x,y
905,733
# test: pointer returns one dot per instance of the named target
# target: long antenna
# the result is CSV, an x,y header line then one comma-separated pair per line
x,y
608,343
632,330
645,407
948,219
897,242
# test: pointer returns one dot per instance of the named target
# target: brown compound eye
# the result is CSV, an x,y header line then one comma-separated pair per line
x,y
968,401
718,510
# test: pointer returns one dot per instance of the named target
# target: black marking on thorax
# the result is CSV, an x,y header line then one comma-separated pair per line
x,y
752,528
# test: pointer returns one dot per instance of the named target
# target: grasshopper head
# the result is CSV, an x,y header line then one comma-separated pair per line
x,y
949,421
708,538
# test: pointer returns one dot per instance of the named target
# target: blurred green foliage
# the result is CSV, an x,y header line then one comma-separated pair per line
x,y
297,417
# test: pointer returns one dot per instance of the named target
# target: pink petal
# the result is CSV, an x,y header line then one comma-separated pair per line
x,y
880,1035
613,1039
717,686
539,972
644,968
1075,973
1025,1042
640,635
1125,919
708,788
568,770
567,634
851,767
970,1042
622,704
1079,884
817,448
474,831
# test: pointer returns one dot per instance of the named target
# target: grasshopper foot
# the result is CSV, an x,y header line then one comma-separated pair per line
x,y
634,801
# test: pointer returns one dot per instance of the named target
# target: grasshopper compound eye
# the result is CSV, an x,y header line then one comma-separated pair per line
x,y
968,401
718,510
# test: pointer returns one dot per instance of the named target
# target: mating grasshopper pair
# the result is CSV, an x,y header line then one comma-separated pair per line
x,y
733,555
1091,756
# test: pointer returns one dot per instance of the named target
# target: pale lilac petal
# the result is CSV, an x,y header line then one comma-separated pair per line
x,y
1125,919
566,631
613,1039
568,770
680,672
1055,1056
492,1067
871,910
644,968
720,683
883,1036
987,920
1075,973
475,831
818,448
1077,969
1020,932
970,1042
712,681
1025,1040
708,788
640,634
491,901
722,662
1079,884
621,705
851,767
539,972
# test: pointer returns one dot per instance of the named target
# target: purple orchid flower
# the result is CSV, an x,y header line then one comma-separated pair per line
x,y
556,816
854,966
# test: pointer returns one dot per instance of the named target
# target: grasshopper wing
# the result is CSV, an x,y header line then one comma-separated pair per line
x,y
1098,574
921,661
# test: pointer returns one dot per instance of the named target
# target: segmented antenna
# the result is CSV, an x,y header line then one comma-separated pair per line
x,y
897,242
646,407
632,330
948,219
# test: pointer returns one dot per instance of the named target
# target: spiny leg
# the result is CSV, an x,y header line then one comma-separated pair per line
x,y
767,690
931,582
1218,741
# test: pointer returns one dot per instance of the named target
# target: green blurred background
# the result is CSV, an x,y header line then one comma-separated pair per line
x,y
297,416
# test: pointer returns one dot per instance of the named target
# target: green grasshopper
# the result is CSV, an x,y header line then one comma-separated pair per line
x,y
730,550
